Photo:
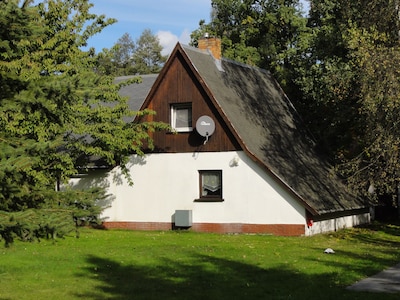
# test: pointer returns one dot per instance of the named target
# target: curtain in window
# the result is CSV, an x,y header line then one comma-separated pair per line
x,y
211,182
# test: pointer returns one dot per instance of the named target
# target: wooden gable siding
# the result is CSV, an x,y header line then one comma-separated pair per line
x,y
179,85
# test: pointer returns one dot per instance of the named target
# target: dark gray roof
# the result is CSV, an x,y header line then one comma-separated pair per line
x,y
271,131
136,93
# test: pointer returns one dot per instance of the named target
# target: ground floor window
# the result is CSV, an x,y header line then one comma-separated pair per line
x,y
210,185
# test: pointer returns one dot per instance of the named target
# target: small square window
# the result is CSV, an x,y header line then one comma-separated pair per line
x,y
181,117
210,185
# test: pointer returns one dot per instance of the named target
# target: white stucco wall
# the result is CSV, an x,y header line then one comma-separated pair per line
x,y
335,224
164,183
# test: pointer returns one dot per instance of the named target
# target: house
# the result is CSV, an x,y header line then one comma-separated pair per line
x,y
239,159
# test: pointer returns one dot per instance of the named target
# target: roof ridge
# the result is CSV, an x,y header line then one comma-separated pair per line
x,y
228,60
195,49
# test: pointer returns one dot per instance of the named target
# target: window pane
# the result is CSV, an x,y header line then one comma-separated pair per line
x,y
183,117
211,184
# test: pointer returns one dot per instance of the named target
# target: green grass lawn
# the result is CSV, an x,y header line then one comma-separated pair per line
x,y
118,264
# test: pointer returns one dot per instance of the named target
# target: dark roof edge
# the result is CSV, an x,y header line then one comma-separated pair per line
x,y
280,180
160,76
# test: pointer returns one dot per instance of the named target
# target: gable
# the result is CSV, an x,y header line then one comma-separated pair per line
x,y
178,84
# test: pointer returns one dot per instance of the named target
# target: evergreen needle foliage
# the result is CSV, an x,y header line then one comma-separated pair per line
x,y
56,113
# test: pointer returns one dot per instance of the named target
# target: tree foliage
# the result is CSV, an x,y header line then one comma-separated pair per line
x,y
147,58
56,112
123,51
267,34
127,57
377,163
350,76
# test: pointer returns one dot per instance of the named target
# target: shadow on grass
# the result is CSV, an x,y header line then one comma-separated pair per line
x,y
367,262
392,228
205,277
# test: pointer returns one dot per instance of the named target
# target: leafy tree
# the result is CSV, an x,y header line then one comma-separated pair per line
x,y
147,58
350,76
56,112
200,33
268,34
127,57
105,64
329,98
377,161
124,50
118,60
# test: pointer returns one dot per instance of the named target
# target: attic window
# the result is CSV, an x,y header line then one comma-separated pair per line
x,y
181,117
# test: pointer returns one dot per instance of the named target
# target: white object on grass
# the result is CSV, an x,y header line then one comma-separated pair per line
x,y
329,251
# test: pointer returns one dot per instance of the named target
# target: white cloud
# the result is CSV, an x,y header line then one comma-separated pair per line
x,y
185,37
168,40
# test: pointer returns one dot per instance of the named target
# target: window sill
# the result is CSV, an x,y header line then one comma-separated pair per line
x,y
209,200
179,132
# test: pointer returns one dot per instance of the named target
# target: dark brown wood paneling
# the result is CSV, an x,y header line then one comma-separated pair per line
x,y
179,85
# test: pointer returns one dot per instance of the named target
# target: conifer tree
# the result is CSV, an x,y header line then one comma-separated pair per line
x,y
56,112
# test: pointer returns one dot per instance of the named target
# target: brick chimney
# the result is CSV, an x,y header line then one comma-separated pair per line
x,y
212,44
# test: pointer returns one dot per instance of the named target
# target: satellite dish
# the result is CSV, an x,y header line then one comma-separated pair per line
x,y
205,126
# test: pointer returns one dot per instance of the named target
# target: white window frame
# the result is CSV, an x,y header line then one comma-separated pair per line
x,y
174,108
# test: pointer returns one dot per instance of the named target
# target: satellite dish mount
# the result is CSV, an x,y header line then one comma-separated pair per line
x,y
205,126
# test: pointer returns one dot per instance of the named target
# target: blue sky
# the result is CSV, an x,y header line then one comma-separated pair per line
x,y
170,20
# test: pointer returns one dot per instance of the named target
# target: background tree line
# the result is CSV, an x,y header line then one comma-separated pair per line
x,y
128,58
